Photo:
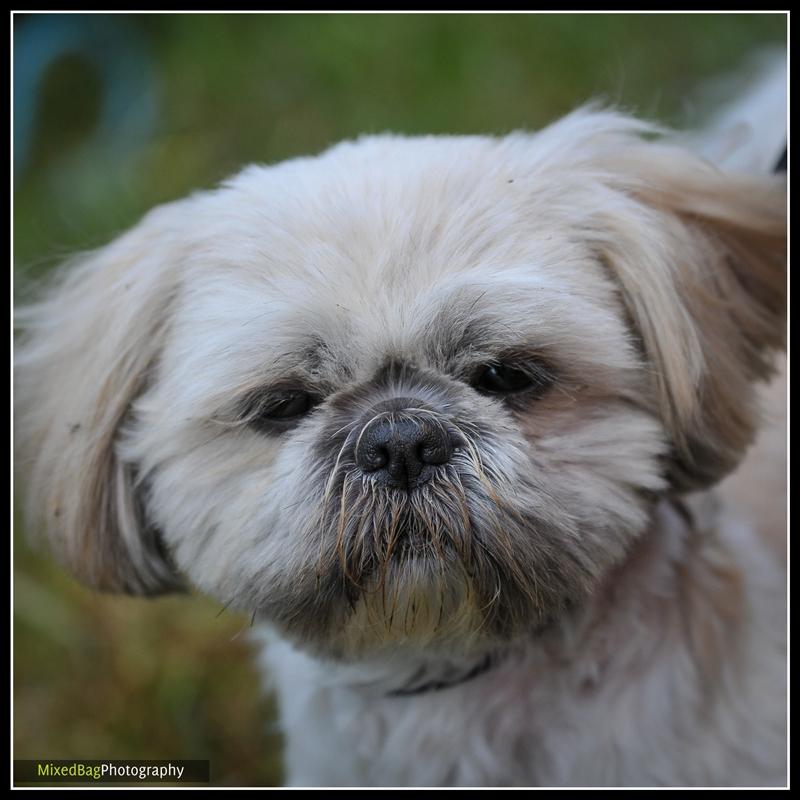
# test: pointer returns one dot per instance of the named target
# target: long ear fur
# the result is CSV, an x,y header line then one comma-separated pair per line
x,y
84,355
700,258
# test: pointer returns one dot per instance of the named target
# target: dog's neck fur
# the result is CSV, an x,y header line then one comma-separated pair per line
x,y
654,646
654,587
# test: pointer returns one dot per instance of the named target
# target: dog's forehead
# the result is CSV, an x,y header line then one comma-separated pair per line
x,y
377,248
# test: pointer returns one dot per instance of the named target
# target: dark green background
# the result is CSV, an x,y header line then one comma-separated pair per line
x,y
106,677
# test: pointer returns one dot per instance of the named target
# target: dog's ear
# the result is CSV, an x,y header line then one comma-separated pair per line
x,y
84,354
700,258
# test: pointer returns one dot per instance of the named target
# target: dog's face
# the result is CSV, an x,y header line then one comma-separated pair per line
x,y
411,392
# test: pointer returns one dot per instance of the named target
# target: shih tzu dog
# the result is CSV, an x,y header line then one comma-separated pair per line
x,y
446,415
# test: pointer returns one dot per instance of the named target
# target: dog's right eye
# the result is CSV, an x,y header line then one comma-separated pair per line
x,y
289,406
278,410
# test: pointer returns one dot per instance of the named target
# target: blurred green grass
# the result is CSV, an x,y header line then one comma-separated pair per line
x,y
117,677
99,676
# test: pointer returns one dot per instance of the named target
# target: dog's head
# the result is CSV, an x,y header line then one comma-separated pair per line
x,y
413,391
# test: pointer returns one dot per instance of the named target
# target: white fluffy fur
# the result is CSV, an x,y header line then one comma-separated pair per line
x,y
624,703
652,279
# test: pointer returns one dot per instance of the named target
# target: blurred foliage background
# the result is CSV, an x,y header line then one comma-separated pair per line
x,y
116,113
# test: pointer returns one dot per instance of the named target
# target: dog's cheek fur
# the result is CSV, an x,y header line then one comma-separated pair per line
x,y
604,458
235,507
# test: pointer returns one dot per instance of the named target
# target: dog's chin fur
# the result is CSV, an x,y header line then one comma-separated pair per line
x,y
641,288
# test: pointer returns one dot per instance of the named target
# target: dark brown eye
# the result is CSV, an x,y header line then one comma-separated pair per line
x,y
288,405
504,379
277,410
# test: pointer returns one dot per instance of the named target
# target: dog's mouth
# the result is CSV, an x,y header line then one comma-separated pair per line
x,y
457,559
379,529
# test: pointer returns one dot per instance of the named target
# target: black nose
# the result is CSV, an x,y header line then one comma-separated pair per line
x,y
403,449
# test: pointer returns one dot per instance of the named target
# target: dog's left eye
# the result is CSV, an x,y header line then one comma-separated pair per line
x,y
503,379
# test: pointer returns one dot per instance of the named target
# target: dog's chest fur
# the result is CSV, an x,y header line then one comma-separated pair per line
x,y
641,690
